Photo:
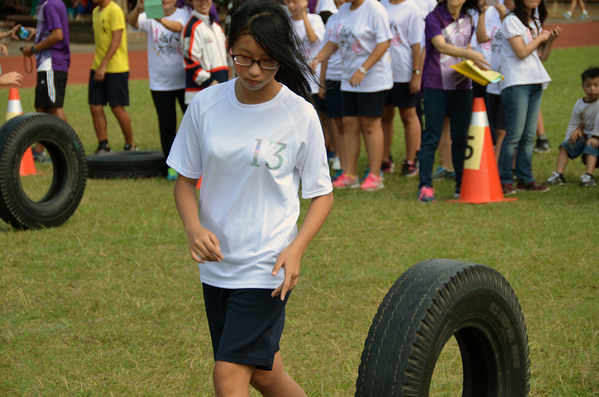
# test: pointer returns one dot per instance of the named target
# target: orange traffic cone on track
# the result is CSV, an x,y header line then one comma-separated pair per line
x,y
14,108
480,183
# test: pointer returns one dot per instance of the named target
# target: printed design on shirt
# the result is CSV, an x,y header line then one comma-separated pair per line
x,y
276,154
495,43
457,33
166,43
348,40
396,34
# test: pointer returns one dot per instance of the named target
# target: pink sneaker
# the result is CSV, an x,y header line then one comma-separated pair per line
x,y
345,181
426,194
372,182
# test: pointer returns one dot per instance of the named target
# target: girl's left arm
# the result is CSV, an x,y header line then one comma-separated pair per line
x,y
545,50
290,258
377,53
444,47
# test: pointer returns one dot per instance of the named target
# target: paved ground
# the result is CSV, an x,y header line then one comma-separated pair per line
x,y
576,33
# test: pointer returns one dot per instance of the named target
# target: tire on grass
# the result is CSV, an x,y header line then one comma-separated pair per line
x,y
69,171
127,165
431,302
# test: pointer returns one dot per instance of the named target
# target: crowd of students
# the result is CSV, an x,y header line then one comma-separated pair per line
x,y
370,58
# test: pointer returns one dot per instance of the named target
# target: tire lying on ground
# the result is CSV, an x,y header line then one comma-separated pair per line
x,y
127,165
431,302
68,178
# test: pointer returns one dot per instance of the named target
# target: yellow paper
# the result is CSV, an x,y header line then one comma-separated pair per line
x,y
482,77
474,150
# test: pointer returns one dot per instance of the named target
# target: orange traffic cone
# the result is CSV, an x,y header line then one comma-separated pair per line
x,y
480,183
199,183
14,108
27,166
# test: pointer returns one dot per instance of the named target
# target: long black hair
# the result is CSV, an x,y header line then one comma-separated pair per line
x,y
522,15
268,24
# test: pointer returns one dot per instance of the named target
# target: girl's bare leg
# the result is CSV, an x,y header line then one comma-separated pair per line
x,y
277,382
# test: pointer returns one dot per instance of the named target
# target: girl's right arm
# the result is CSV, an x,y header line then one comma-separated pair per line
x,y
134,14
325,53
449,49
203,244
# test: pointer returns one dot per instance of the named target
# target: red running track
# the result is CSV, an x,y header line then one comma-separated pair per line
x,y
579,34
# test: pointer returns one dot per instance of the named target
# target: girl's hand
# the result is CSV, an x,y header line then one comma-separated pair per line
x,y
203,245
501,10
304,6
414,85
356,79
12,78
322,93
479,60
140,5
555,33
545,35
291,260
593,142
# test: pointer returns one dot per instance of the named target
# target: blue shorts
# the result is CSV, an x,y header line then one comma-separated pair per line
x,y
114,89
579,148
333,101
245,324
400,96
366,104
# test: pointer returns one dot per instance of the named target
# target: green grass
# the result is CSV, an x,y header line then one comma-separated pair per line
x,y
110,304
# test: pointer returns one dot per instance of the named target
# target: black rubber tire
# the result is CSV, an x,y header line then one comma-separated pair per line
x,y
429,303
69,171
127,165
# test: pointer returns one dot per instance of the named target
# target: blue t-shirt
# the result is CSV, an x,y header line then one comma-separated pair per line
x,y
52,14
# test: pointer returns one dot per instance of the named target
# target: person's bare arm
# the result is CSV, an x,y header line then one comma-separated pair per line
x,y
54,37
449,49
117,36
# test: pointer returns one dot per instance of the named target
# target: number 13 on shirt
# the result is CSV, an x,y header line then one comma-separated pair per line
x,y
276,154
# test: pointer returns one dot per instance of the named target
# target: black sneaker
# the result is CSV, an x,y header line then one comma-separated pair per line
x,y
130,148
103,147
542,146
555,180
409,169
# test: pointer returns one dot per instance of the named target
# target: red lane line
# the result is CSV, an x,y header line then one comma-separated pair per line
x,y
80,66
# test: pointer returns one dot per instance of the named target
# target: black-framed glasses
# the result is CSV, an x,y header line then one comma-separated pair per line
x,y
268,64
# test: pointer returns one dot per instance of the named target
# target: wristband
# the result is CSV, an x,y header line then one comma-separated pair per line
x,y
33,50
417,72
362,70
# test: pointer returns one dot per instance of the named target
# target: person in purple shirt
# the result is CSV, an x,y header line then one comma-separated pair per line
x,y
53,57
449,28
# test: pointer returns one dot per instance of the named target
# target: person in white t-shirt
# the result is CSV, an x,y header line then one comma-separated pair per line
x,y
254,139
525,45
165,57
364,39
407,27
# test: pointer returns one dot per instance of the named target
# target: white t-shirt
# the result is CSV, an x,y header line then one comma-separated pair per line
x,y
165,55
425,6
326,5
492,48
334,67
586,114
311,49
360,31
529,70
252,158
407,27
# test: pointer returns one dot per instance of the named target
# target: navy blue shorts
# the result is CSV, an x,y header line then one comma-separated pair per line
x,y
333,101
318,103
114,89
245,324
366,104
400,96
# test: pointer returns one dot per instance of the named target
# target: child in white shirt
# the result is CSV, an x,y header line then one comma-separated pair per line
x,y
582,135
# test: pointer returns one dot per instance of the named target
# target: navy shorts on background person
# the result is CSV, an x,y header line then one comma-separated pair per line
x,y
113,90
245,324
50,89
333,101
365,104
399,96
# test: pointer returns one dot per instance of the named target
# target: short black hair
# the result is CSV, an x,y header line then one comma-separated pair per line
x,y
590,73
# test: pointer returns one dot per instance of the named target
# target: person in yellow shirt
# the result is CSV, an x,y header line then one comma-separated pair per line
x,y
109,76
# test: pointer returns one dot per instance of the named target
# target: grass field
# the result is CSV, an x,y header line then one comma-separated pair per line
x,y
109,304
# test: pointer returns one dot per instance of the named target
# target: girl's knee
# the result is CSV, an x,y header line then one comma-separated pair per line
x,y
262,380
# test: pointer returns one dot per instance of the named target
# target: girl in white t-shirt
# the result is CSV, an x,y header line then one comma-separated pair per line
x,y
364,39
254,139
522,89
165,59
